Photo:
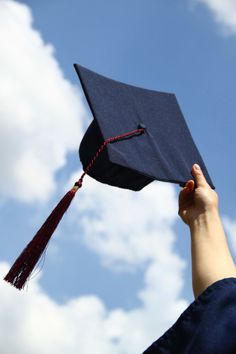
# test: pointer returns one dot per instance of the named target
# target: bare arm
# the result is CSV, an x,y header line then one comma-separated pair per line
x,y
211,258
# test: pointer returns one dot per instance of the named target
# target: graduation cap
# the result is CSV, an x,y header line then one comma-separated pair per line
x,y
137,136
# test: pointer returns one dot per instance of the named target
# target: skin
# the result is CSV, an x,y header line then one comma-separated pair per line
x,y
211,258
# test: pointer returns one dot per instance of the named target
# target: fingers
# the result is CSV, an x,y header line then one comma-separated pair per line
x,y
190,185
186,195
199,176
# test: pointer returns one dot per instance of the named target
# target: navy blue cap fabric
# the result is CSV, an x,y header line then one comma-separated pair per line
x,y
165,152
207,326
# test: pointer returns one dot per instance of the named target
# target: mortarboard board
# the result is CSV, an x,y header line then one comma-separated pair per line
x,y
166,152
137,136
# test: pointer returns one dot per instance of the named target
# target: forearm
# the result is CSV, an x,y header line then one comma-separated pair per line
x,y
211,258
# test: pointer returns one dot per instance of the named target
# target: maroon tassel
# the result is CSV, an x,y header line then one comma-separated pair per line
x,y
25,263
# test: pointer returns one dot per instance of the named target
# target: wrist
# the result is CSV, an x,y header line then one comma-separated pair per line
x,y
204,219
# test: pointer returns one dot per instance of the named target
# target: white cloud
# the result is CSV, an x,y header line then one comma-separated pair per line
x,y
132,229
224,12
40,110
127,230
84,324
127,226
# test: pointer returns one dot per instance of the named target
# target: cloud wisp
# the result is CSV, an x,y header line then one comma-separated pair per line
x,y
224,12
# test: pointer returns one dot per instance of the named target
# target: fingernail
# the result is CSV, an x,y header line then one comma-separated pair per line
x,y
196,166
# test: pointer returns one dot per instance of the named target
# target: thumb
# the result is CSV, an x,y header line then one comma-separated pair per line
x,y
199,176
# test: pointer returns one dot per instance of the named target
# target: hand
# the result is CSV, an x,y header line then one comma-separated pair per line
x,y
196,200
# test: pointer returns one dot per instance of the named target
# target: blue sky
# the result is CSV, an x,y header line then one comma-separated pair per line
x,y
185,47
168,45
